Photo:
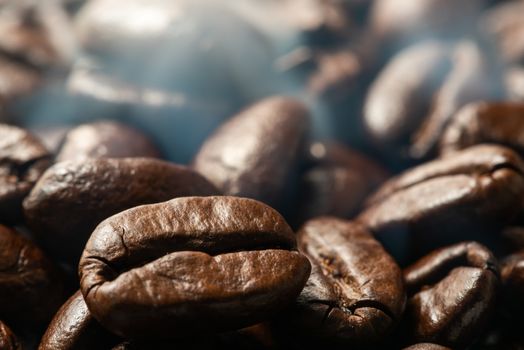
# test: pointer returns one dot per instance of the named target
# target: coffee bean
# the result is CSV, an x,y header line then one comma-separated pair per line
x,y
22,160
8,340
190,265
484,122
91,190
30,287
512,273
445,200
355,295
398,99
253,153
426,346
451,294
73,328
105,139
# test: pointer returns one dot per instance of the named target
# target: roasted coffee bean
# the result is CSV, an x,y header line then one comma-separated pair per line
x,y
399,98
8,340
73,328
190,265
512,273
253,154
470,79
338,182
355,295
451,294
426,346
514,236
484,122
105,139
30,287
504,25
71,198
22,160
447,200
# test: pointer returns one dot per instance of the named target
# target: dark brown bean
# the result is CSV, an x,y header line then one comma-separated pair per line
x,y
446,200
71,198
73,328
426,346
190,265
355,294
253,153
451,294
30,288
512,273
8,340
105,139
484,122
22,160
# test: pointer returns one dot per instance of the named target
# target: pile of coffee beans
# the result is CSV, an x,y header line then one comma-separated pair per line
x,y
262,174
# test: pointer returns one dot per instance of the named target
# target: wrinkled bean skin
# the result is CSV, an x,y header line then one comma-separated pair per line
x,y
253,153
399,97
426,346
23,159
444,201
8,340
512,273
30,287
485,122
92,190
105,139
73,328
347,300
451,294
190,265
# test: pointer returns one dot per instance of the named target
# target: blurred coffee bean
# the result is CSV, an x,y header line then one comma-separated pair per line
x,y
514,82
30,287
337,183
485,122
22,160
191,266
73,328
36,33
8,340
426,346
51,137
451,294
399,98
347,300
514,235
105,139
470,79
404,21
512,273
504,26
92,190
16,81
254,153
446,200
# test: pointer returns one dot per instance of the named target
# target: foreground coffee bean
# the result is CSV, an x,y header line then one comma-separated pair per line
x,y
30,287
190,265
484,122
8,340
22,160
92,190
446,200
451,294
106,139
253,153
355,294
73,328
